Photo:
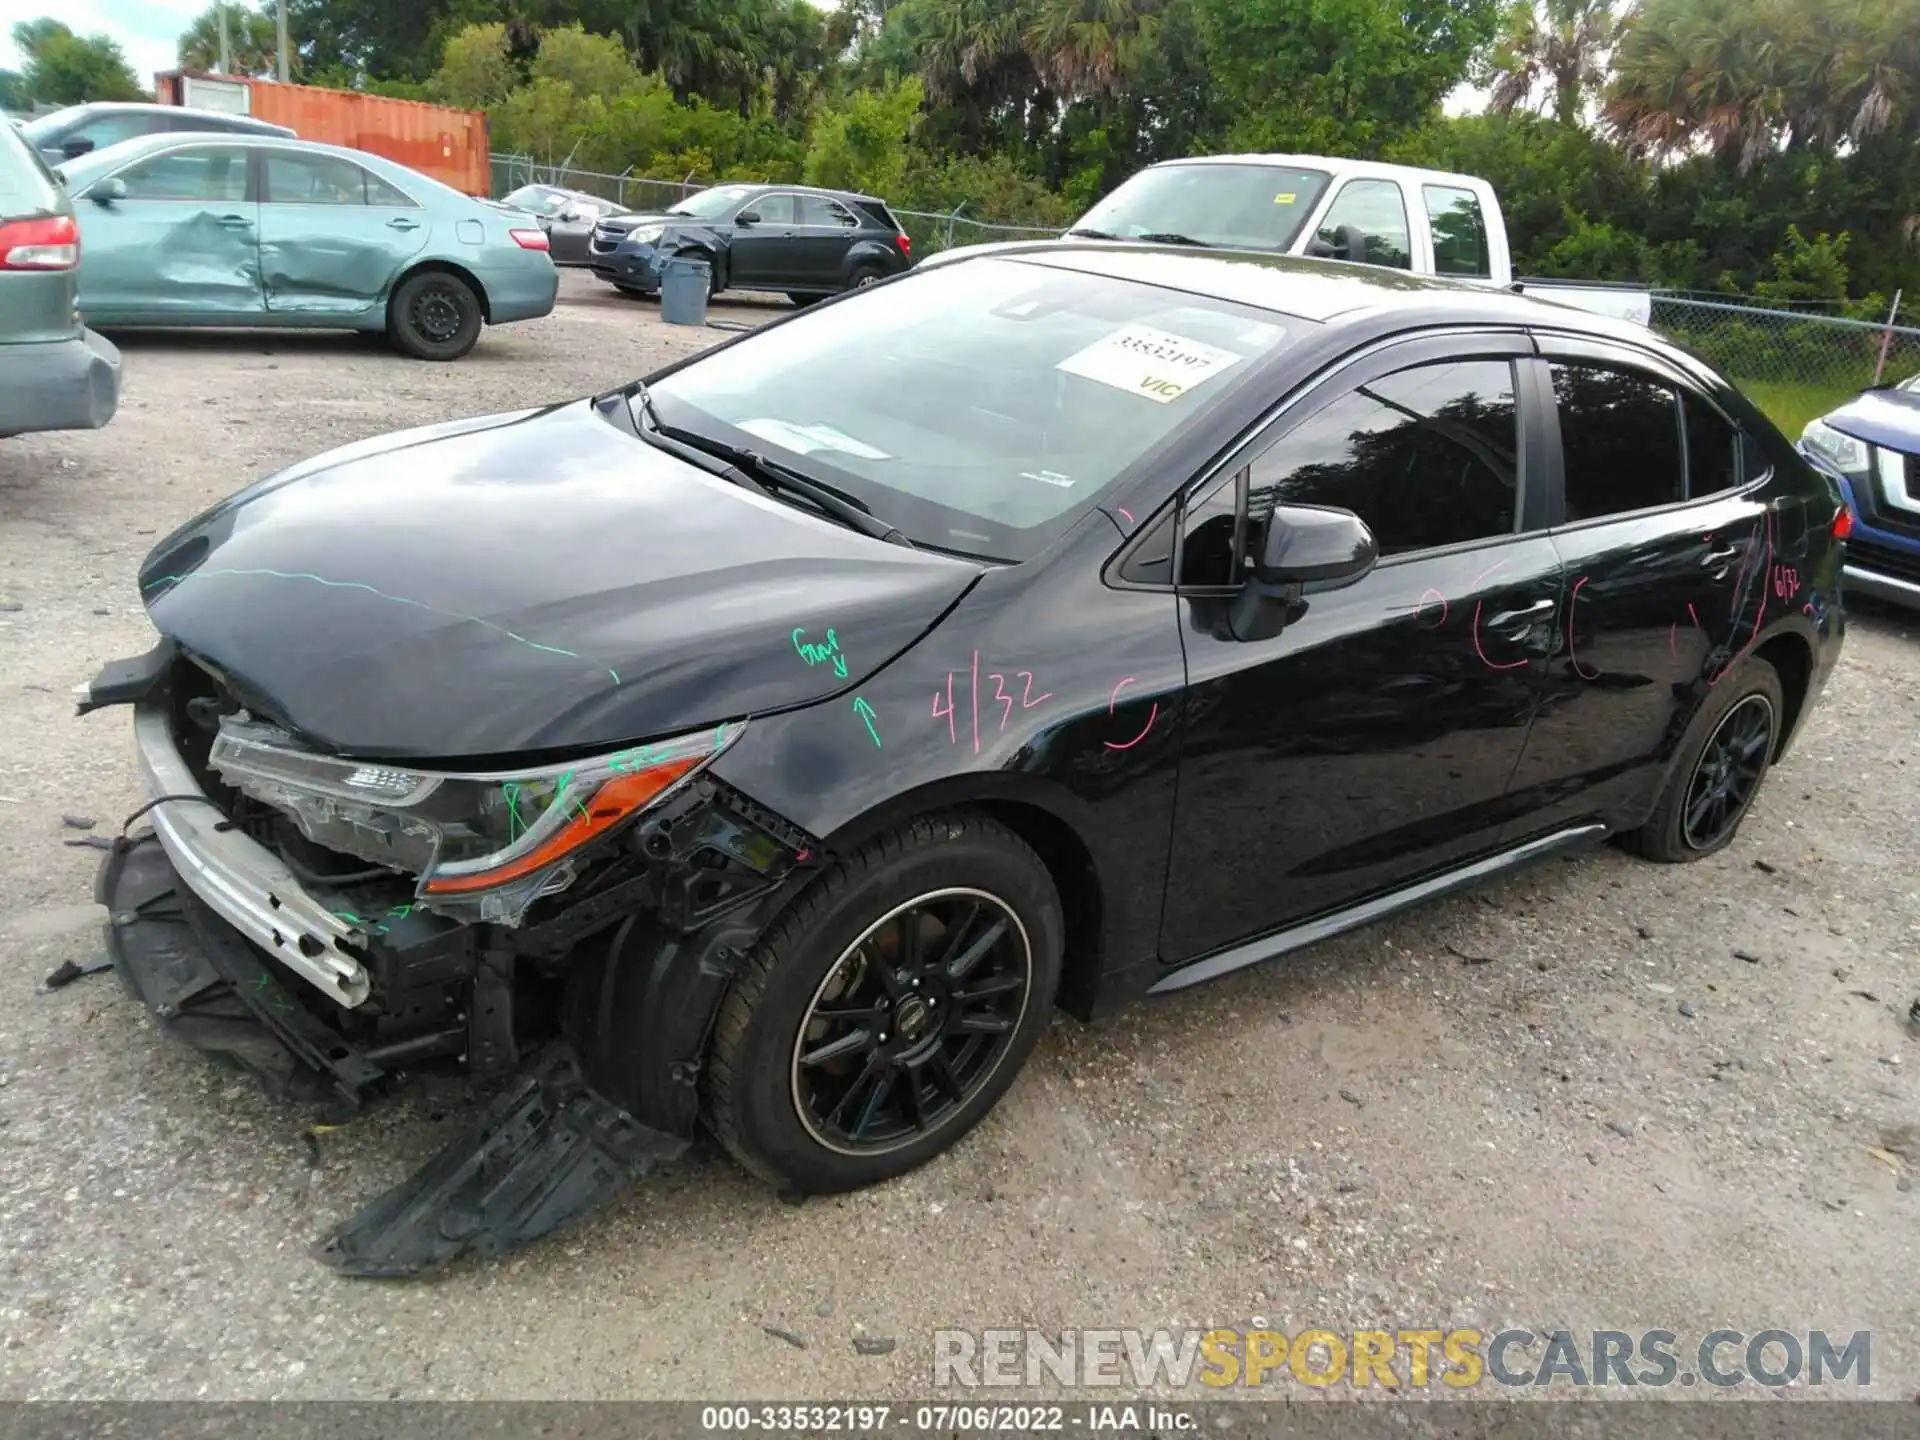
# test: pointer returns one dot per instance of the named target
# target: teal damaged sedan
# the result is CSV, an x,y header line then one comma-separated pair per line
x,y
244,230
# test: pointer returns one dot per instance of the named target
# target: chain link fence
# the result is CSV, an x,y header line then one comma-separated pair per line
x,y
930,231
1795,364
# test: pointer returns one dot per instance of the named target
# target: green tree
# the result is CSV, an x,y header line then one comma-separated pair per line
x,y
475,69
251,41
592,64
861,144
14,94
68,69
1340,76
1564,43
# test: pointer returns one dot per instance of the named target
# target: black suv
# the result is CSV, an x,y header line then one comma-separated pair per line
x,y
79,129
792,238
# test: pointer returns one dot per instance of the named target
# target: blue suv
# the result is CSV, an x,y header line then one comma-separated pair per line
x,y
1871,445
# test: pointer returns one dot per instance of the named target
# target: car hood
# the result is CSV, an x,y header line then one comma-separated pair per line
x,y
1882,417
539,581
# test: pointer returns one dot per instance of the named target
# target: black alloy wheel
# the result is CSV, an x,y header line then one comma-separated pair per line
x,y
1728,774
911,1021
1718,768
887,1007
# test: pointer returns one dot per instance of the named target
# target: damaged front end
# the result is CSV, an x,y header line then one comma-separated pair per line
x,y
330,924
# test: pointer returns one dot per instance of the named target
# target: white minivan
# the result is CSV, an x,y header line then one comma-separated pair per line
x,y
1429,222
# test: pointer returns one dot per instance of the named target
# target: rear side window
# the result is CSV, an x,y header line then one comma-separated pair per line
x,y
1459,231
1376,209
1426,456
1619,438
314,180
818,210
1713,448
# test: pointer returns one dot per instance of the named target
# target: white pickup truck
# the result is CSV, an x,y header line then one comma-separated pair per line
x,y
1427,221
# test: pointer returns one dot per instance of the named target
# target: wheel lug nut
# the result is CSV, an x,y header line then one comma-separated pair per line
x,y
883,1037
916,984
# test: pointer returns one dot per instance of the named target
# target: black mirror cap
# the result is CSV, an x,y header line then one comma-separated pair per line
x,y
1314,544
75,147
746,217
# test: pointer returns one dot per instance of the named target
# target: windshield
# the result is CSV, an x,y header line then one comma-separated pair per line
x,y
41,131
535,200
711,204
982,407
1238,207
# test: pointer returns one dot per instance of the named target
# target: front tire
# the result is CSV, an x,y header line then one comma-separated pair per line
x,y
1724,758
434,315
886,1012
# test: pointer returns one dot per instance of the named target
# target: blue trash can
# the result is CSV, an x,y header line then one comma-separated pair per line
x,y
683,290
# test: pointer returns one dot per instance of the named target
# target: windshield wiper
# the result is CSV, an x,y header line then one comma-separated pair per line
x,y
1171,237
769,477
1093,234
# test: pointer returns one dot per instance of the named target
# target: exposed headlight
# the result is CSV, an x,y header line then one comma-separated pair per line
x,y
1843,452
484,847
646,234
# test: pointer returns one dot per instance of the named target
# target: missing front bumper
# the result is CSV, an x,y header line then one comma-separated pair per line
x,y
545,1152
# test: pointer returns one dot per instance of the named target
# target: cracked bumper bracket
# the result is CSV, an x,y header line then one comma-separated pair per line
x,y
545,1152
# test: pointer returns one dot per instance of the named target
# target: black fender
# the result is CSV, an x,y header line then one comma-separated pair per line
x,y
872,253
641,995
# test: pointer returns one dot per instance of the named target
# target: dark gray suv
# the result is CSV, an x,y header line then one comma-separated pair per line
x,y
79,129
55,374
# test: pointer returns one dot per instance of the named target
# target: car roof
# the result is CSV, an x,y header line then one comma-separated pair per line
x,y
124,150
769,186
148,107
1323,291
1337,166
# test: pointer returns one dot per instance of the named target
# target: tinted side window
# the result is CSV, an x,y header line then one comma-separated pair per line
x,y
1426,456
1459,231
1620,438
1713,448
208,173
1376,209
773,209
113,127
314,180
818,210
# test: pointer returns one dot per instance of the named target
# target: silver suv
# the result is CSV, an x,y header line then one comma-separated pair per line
x,y
55,374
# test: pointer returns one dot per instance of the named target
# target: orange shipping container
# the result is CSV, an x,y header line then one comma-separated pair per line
x,y
437,140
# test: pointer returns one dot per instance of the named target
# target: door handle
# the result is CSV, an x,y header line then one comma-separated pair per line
x,y
1533,612
401,223
1719,557
236,222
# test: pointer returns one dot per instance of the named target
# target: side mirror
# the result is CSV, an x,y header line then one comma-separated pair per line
x,y
1313,545
747,217
75,147
1351,245
109,190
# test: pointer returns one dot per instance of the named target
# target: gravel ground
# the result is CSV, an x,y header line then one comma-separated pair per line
x,y
1600,1094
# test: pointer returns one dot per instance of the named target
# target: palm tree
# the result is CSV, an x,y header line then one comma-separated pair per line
x,y
1086,47
1563,42
251,44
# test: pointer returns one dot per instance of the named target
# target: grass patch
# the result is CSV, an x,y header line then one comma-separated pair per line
x,y
1790,404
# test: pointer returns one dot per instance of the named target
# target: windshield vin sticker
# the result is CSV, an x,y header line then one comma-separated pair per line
x,y
1148,362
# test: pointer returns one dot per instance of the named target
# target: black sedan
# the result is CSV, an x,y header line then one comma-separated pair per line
x,y
568,217
793,238
776,743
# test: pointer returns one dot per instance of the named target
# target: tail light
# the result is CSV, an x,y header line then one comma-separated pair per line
x,y
51,242
530,239
1843,523
905,242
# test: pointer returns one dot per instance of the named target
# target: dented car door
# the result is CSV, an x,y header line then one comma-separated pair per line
x,y
332,234
174,237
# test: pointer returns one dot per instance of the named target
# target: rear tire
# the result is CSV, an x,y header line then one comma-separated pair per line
x,y
889,1008
864,275
1723,761
434,315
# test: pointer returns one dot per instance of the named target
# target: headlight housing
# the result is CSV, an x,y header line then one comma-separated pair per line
x,y
1843,452
646,234
483,846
